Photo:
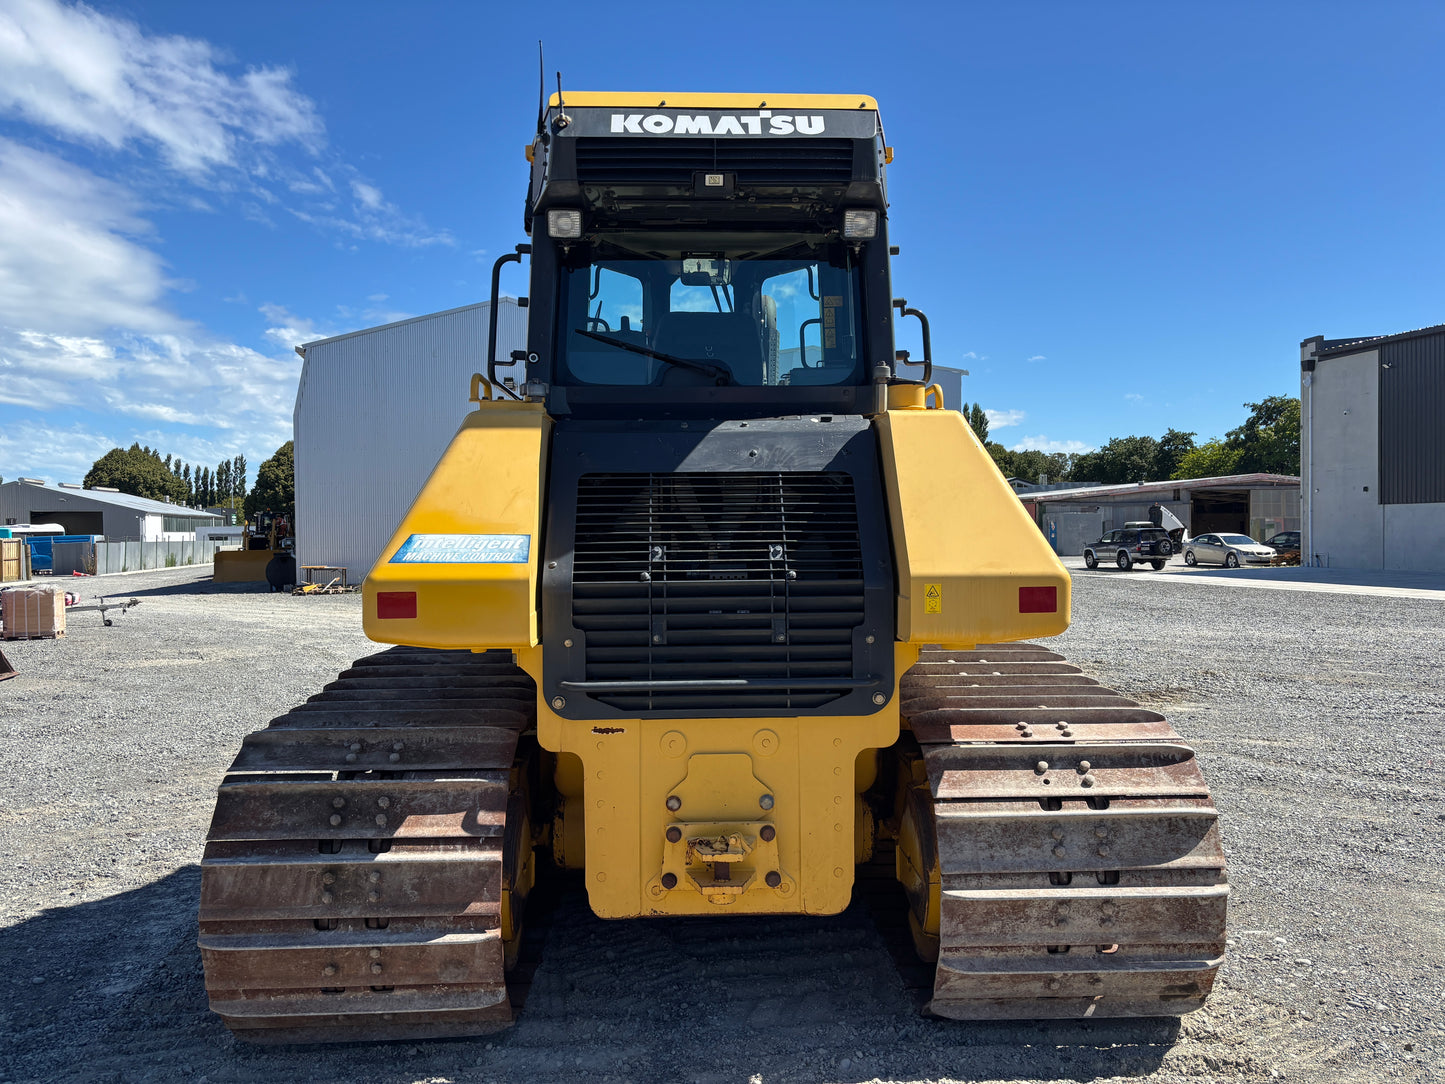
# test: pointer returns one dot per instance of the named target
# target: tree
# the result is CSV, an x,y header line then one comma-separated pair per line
x,y
977,421
1173,446
136,471
1212,459
223,481
1121,460
238,475
1268,441
1028,464
275,488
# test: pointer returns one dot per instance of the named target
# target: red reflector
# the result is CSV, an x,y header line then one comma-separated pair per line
x,y
1038,600
403,603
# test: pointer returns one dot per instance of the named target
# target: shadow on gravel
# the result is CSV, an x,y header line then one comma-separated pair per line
x,y
118,589
120,997
72,971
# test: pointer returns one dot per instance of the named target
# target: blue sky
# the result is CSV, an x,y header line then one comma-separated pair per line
x,y
1120,217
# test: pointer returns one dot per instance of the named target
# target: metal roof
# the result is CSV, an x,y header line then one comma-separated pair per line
x,y
1225,481
1369,342
118,500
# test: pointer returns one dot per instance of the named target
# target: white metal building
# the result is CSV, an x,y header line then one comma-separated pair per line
x,y
1372,450
117,516
375,409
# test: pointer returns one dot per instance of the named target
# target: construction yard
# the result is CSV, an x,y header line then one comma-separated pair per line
x,y
1317,716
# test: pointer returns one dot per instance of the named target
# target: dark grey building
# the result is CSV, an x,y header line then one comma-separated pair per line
x,y
117,516
1372,450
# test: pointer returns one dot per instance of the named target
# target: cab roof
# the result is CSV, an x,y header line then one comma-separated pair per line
x,y
650,100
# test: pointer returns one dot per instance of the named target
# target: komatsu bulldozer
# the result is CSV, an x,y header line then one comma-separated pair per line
x,y
713,604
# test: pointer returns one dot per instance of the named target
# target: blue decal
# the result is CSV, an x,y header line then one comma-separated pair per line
x,y
464,549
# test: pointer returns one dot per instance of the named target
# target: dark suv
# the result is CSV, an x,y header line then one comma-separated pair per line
x,y
1126,546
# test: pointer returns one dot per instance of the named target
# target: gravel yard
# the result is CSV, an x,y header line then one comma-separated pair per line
x,y
1316,716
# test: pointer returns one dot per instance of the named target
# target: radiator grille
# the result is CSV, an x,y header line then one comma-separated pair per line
x,y
707,577
674,161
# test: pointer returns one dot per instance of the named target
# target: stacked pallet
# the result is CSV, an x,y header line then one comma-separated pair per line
x,y
32,613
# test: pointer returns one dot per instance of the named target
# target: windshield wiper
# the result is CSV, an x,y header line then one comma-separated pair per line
x,y
721,375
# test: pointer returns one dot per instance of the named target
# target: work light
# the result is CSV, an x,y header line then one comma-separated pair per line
x,y
564,223
858,225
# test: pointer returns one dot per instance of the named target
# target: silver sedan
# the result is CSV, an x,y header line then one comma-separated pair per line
x,y
1229,550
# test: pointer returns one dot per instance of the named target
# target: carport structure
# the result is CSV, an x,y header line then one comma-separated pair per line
x,y
1254,504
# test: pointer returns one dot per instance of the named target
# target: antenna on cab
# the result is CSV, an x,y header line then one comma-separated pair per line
x,y
562,118
541,91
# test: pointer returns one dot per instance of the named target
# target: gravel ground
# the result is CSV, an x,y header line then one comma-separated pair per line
x,y
1316,717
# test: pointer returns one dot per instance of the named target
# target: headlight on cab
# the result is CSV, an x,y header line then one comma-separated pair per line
x,y
564,223
860,225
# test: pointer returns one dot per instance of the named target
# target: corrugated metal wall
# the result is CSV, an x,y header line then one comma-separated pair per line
x,y
1412,437
374,412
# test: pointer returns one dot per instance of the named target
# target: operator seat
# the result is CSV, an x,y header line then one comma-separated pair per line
x,y
728,340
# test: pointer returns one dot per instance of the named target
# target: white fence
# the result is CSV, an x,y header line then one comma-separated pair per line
x,y
134,556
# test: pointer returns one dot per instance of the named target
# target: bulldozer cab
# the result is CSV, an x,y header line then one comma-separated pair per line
x,y
707,258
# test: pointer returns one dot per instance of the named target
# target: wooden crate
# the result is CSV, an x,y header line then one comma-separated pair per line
x,y
32,612
12,560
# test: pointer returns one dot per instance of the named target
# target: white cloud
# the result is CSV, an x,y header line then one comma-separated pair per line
x,y
102,81
83,320
38,450
86,323
377,220
1038,357
1133,397
291,331
182,378
377,317
1042,443
1002,419
367,195
69,261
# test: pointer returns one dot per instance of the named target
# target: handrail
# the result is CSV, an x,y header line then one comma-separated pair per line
x,y
478,380
510,257
802,343
901,304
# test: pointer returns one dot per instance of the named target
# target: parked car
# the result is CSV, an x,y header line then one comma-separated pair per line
x,y
1229,550
1124,547
1285,540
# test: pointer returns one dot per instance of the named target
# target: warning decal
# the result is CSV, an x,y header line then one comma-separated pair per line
x,y
933,598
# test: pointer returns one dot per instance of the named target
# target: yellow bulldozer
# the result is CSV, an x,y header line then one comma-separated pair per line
x,y
265,540
715,605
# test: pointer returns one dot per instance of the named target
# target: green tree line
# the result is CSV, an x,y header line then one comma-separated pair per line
x,y
143,472
1267,442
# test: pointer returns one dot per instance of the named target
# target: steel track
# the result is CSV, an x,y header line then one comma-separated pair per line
x,y
1079,850
352,879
